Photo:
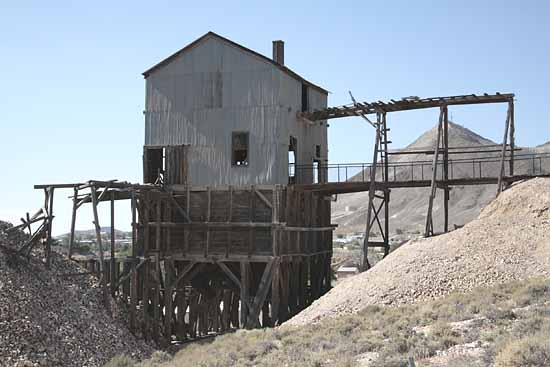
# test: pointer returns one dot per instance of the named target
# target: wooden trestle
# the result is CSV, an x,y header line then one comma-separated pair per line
x,y
379,187
207,260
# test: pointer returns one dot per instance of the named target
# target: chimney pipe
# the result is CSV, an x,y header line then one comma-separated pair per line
x,y
279,52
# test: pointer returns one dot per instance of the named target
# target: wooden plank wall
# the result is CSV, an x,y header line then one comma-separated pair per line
x,y
211,260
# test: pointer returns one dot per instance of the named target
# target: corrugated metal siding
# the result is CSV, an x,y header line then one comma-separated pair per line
x,y
213,90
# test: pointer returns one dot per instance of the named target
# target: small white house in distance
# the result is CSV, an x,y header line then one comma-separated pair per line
x,y
346,271
218,113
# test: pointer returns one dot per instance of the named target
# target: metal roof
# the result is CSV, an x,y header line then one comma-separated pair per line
x,y
283,68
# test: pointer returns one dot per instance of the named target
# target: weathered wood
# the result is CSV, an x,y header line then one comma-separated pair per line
x,y
134,222
134,269
158,237
100,245
264,199
112,260
503,153
208,217
275,295
73,222
168,300
251,238
365,263
186,270
182,304
134,284
512,136
145,302
245,284
156,301
429,220
261,294
446,168
50,192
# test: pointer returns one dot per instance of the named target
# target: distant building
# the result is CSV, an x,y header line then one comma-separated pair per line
x,y
346,271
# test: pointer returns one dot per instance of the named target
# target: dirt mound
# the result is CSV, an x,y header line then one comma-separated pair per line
x,y
510,240
55,317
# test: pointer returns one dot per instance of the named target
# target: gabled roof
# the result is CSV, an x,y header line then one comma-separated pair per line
x,y
234,44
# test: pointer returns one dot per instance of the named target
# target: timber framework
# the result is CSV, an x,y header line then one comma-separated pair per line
x,y
376,178
207,260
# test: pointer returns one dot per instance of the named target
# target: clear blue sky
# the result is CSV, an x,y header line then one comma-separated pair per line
x,y
72,93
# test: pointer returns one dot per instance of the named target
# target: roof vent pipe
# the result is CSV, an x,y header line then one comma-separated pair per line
x,y
279,52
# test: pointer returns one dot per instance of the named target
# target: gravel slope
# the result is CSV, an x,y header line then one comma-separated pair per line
x,y
47,319
510,240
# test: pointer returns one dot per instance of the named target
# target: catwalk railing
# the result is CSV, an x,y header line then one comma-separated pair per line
x,y
531,164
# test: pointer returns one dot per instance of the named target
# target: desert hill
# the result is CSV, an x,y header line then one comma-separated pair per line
x,y
408,207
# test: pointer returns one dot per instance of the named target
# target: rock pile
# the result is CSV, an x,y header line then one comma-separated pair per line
x,y
510,240
56,317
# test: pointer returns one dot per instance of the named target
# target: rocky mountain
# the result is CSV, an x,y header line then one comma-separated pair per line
x,y
408,206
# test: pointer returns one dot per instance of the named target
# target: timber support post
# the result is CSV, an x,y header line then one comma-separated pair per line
x,y
73,222
429,230
500,183
102,278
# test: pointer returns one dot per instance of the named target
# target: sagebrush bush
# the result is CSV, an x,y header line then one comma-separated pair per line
x,y
532,351
393,334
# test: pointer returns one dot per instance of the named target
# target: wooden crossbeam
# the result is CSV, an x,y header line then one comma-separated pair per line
x,y
261,294
129,274
429,220
404,105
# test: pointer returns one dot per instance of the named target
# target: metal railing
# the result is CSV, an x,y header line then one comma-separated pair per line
x,y
531,164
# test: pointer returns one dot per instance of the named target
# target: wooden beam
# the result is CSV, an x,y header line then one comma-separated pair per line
x,y
365,263
429,220
168,300
132,270
503,153
113,263
263,198
261,294
100,245
184,272
73,222
49,228
245,284
512,136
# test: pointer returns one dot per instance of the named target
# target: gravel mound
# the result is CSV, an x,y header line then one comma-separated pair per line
x,y
510,240
50,319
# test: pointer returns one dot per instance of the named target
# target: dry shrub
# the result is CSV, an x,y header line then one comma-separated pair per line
x,y
121,361
533,351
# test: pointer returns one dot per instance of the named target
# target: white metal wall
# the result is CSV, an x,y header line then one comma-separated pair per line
x,y
201,97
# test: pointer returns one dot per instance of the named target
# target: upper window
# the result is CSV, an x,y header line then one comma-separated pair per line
x,y
305,98
239,148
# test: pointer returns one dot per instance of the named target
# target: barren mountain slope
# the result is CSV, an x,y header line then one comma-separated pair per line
x,y
509,241
408,206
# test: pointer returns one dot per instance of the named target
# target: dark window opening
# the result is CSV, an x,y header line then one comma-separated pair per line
x,y
154,164
305,98
317,151
292,148
239,148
